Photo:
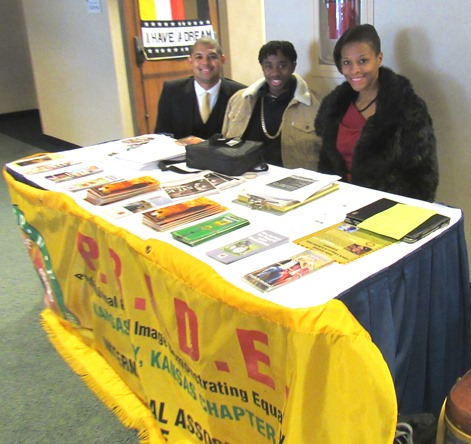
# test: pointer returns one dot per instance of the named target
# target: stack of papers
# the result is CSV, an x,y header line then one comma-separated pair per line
x,y
204,231
289,190
123,189
165,218
147,155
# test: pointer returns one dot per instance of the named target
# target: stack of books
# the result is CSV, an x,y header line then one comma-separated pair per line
x,y
120,190
165,218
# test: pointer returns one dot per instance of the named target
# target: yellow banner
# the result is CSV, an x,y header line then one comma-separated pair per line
x,y
212,363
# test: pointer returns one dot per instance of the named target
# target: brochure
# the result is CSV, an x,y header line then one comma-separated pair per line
x,y
189,140
221,181
102,180
204,231
74,174
123,189
285,271
248,246
45,167
288,190
197,185
154,200
35,159
343,242
279,206
147,155
171,216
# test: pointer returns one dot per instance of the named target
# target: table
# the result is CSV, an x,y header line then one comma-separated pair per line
x,y
160,314
418,313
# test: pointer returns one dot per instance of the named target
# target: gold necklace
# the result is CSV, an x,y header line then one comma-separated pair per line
x,y
264,128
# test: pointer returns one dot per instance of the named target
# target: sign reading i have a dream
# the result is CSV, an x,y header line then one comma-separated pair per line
x,y
170,27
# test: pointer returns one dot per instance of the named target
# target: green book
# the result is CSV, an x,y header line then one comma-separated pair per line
x,y
204,231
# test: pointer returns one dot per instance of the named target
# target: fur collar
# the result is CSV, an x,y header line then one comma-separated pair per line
x,y
394,90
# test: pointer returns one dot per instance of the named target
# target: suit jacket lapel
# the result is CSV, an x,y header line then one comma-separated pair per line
x,y
188,110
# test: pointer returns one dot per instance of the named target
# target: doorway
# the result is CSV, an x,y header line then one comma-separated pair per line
x,y
148,76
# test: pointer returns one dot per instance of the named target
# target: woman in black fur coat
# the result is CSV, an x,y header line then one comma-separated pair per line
x,y
376,132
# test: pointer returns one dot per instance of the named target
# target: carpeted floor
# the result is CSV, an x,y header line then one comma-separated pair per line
x,y
42,400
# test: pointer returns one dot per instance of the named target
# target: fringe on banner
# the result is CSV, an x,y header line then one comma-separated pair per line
x,y
98,375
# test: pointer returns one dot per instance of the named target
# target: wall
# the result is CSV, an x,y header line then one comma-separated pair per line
x,y
297,24
427,44
430,46
243,25
79,70
17,91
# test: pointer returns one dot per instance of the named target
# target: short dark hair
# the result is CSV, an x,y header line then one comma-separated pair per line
x,y
365,33
207,41
272,48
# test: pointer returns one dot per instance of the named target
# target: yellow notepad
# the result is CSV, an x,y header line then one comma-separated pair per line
x,y
397,221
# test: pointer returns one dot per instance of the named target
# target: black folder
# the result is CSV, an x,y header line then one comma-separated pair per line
x,y
424,229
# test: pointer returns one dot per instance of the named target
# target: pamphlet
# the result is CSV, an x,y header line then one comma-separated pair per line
x,y
147,155
35,159
154,200
288,190
288,270
123,189
45,167
248,246
102,180
296,186
171,216
199,184
189,140
189,187
74,174
343,242
221,181
204,231
279,207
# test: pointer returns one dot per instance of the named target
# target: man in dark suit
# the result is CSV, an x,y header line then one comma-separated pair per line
x,y
180,109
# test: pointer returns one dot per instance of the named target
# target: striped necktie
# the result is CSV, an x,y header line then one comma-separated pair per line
x,y
205,108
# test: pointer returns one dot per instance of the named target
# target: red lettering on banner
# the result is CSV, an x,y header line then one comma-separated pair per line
x,y
117,268
117,263
187,324
252,356
88,249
